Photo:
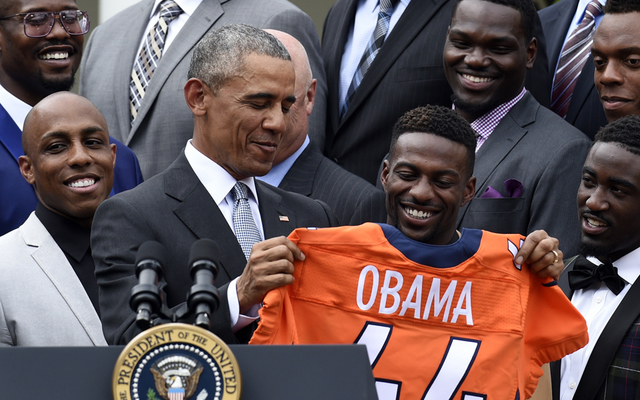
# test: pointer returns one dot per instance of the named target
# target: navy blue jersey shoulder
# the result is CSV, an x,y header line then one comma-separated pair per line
x,y
433,255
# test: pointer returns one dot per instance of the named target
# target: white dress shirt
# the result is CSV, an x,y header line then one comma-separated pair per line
x,y
359,36
16,108
596,306
219,183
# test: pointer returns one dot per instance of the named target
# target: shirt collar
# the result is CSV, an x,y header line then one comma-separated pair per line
x,y
485,125
71,237
16,108
215,179
188,6
277,173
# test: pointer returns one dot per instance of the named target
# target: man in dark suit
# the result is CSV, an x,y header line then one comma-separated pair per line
x,y
608,294
406,73
615,49
163,123
35,63
240,90
527,158
558,21
299,165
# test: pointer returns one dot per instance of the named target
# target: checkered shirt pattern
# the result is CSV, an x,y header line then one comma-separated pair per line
x,y
243,223
377,39
575,53
488,122
150,53
623,378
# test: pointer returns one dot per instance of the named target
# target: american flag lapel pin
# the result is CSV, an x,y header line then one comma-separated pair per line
x,y
283,218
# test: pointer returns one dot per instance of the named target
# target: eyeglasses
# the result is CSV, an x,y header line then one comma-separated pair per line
x,y
39,24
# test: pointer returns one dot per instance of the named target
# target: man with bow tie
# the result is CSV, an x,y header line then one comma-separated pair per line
x,y
601,280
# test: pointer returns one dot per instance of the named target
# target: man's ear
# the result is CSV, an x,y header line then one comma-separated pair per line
x,y
384,176
532,50
26,169
311,96
469,191
195,95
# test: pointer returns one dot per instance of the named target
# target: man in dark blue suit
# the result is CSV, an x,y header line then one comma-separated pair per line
x,y
33,64
604,285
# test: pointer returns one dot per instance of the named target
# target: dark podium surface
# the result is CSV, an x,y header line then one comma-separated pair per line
x,y
268,372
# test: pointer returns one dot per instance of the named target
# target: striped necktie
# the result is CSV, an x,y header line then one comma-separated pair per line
x,y
150,54
244,225
573,57
376,41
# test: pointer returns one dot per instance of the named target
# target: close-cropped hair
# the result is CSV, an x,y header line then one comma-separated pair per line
x,y
621,6
624,132
526,9
220,55
439,121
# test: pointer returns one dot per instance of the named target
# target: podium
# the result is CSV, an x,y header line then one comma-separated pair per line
x,y
268,372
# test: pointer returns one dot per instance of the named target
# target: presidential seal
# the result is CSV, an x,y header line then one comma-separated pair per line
x,y
176,362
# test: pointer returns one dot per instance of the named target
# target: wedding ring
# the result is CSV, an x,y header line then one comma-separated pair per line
x,y
555,253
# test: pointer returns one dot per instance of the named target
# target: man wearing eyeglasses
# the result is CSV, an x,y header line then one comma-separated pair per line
x,y
40,51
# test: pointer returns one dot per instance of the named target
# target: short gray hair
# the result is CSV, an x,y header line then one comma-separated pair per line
x,y
220,55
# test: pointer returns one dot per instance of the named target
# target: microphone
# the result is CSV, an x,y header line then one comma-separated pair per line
x,y
146,298
203,296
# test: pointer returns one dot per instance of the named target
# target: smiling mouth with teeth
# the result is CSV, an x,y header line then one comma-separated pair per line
x,y
54,56
476,79
82,183
595,224
418,214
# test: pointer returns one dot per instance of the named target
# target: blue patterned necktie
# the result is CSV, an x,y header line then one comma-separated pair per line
x,y
150,54
243,223
376,41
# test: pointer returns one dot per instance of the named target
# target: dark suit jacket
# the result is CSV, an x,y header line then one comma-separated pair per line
x,y
585,110
535,146
164,122
619,339
175,209
352,199
406,73
17,197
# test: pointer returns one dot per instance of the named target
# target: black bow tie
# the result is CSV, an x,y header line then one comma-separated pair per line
x,y
586,273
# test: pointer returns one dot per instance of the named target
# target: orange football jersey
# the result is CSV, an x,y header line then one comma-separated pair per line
x,y
461,321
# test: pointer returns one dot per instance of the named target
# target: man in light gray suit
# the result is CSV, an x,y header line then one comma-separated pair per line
x,y
164,123
48,291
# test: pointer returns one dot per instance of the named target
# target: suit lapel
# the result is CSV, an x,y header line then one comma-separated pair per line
x,y
502,140
297,179
56,267
196,27
201,215
412,21
560,24
273,213
333,72
608,343
129,41
583,87
10,135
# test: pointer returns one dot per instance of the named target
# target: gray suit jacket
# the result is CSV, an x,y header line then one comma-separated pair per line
x,y
406,73
42,302
535,146
585,110
164,122
352,199
175,209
